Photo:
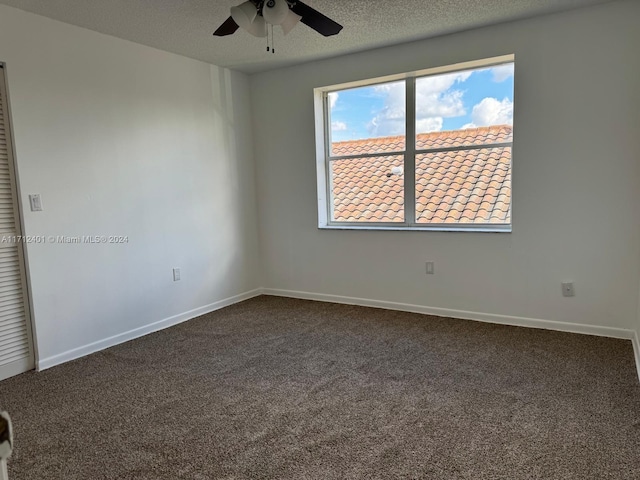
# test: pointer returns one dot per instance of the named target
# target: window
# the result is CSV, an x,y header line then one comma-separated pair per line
x,y
426,151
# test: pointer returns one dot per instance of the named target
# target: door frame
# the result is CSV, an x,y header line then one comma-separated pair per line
x,y
33,360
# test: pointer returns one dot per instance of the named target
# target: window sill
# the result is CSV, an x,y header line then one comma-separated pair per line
x,y
432,228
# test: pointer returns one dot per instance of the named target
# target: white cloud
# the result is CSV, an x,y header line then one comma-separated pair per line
x,y
502,72
338,126
447,104
434,95
435,100
390,120
333,98
491,111
431,124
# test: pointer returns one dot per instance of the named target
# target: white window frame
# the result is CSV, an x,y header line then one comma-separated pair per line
x,y
324,157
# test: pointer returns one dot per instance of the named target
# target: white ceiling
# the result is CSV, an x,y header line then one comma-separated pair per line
x,y
186,26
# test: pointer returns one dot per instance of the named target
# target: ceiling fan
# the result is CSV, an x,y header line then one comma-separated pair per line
x,y
254,16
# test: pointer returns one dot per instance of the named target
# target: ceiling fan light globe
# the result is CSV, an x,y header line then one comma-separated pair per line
x,y
290,21
258,27
275,11
244,14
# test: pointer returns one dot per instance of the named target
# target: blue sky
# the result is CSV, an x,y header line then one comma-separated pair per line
x,y
444,102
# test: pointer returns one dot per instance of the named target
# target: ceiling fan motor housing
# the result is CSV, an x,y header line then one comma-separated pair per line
x,y
275,11
261,4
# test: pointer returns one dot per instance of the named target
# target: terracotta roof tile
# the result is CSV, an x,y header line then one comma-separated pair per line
x,y
466,186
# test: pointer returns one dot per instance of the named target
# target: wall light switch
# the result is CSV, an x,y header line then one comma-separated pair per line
x,y
176,274
36,202
431,268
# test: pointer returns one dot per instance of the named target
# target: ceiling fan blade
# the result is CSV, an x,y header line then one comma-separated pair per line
x,y
314,19
227,28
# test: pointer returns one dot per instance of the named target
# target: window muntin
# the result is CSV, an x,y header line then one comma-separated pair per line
x,y
456,173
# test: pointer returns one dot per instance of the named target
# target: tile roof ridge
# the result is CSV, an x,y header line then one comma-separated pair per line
x,y
371,140
467,131
441,133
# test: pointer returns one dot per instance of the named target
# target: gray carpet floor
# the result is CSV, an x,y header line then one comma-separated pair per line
x,y
276,388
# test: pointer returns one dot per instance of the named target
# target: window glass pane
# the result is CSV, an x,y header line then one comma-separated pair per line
x,y
463,108
368,120
464,186
368,189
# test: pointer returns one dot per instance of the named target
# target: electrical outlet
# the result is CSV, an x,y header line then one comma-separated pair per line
x,y
568,290
431,268
176,274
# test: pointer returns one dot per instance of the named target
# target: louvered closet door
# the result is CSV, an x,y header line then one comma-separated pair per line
x,y
16,352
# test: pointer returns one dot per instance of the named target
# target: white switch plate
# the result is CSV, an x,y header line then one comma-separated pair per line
x,y
36,202
176,274
431,268
568,289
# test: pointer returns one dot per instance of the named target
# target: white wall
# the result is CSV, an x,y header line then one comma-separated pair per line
x,y
576,179
122,139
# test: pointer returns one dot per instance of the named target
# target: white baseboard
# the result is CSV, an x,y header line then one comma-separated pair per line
x,y
462,314
75,353
636,351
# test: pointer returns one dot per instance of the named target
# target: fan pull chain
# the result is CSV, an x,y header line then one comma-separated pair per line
x,y
271,48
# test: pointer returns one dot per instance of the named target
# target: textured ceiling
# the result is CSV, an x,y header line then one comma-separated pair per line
x,y
186,26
